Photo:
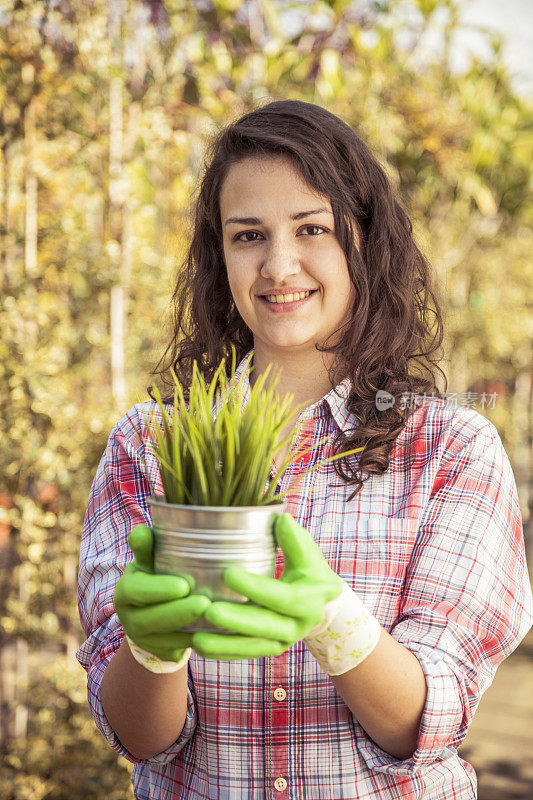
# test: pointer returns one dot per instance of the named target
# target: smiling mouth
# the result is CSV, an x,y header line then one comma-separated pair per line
x,y
285,306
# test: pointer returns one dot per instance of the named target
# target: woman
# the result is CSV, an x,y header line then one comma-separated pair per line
x,y
357,670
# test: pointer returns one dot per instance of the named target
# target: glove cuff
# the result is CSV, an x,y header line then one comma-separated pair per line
x,y
346,636
154,664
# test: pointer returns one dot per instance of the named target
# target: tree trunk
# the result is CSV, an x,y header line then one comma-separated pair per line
x,y
117,348
8,226
116,198
8,673
20,724
7,648
121,148
30,238
3,216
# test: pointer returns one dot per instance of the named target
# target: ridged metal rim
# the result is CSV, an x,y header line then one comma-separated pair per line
x,y
184,534
158,502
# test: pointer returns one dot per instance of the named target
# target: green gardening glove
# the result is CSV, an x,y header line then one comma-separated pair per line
x,y
282,611
152,608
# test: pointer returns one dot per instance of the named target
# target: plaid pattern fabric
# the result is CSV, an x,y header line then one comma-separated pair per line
x,y
434,548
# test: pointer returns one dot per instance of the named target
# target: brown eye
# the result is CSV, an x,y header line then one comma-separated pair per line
x,y
245,233
316,227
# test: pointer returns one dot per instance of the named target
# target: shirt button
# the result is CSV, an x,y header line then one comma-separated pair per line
x,y
280,693
280,784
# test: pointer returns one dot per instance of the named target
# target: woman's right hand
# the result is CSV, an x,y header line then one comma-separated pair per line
x,y
153,608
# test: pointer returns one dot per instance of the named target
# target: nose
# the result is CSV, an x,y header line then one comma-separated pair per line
x,y
280,261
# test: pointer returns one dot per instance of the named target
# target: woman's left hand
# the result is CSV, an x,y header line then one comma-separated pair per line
x,y
282,611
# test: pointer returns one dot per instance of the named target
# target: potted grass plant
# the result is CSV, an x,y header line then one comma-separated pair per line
x,y
220,504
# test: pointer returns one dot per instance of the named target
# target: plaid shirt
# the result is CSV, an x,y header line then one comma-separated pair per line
x,y
434,547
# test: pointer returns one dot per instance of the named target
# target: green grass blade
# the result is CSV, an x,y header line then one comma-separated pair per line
x,y
249,435
170,469
233,359
229,460
239,487
160,449
176,452
254,489
205,463
199,490
265,464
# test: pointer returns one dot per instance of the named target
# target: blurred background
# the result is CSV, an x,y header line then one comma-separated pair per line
x,y
104,109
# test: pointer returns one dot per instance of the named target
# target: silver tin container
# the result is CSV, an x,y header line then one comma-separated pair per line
x,y
201,541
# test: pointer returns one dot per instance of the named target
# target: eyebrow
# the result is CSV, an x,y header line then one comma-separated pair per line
x,y
257,221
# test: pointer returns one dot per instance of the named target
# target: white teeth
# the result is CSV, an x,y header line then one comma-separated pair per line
x,y
287,298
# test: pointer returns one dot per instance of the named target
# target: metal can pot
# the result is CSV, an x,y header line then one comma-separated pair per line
x,y
199,542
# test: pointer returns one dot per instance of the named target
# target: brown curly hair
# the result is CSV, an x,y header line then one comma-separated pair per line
x,y
389,344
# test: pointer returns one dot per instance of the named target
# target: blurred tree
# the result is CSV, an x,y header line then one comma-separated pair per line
x,y
104,109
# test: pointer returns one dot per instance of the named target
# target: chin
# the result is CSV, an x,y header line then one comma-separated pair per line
x,y
286,343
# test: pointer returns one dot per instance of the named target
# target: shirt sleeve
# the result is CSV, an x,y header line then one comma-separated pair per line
x,y
467,601
117,503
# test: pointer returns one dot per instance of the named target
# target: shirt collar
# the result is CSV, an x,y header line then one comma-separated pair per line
x,y
336,399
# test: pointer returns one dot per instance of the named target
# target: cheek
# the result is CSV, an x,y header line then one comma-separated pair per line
x,y
235,280
341,286
238,274
240,290
345,298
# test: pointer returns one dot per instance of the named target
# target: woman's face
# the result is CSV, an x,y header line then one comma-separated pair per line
x,y
278,247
